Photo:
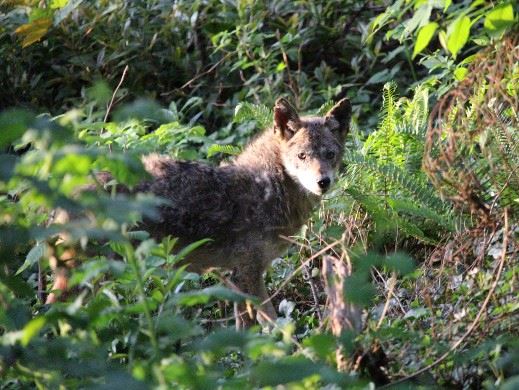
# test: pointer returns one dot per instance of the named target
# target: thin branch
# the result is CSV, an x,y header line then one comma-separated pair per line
x,y
206,72
109,108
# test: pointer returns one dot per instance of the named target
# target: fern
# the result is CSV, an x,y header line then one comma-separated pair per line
x,y
256,112
224,149
389,166
419,190
327,106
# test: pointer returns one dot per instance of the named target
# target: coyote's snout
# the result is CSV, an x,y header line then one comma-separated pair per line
x,y
246,206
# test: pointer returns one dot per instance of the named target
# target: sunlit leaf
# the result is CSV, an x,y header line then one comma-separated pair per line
x,y
32,32
425,35
31,329
500,18
458,34
460,73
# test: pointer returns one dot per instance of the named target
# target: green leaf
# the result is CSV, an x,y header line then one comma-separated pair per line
x,y
458,34
322,344
225,149
425,35
34,255
283,371
190,248
210,294
257,112
35,30
499,18
13,124
31,329
460,73
401,263
358,290
56,4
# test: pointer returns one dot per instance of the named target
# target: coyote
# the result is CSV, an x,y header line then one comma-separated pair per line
x,y
247,205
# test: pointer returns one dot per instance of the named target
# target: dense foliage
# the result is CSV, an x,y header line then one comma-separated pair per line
x,y
424,214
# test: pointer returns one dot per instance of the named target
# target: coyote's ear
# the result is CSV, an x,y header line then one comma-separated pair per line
x,y
286,119
338,118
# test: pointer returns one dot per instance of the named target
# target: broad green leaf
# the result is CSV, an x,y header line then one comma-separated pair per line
x,y
500,18
322,344
281,66
34,255
419,19
268,373
190,248
13,124
458,34
425,35
31,329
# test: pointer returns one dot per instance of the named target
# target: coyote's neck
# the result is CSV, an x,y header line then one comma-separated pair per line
x,y
263,157
262,153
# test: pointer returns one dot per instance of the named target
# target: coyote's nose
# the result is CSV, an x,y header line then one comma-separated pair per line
x,y
324,183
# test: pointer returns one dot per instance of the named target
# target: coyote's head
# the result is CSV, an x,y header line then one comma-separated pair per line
x,y
312,147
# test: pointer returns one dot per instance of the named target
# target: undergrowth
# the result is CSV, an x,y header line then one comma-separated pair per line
x,y
433,289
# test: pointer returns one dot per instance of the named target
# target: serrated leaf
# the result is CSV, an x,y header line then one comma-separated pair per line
x,y
425,35
225,149
257,112
458,34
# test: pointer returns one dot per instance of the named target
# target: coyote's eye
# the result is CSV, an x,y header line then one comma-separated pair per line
x,y
330,155
301,155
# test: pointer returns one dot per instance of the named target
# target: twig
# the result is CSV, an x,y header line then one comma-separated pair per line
x,y
308,276
109,108
291,83
213,67
476,320
392,283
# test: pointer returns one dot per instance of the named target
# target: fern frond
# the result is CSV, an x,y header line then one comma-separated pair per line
x,y
418,190
414,120
225,149
327,106
256,112
386,218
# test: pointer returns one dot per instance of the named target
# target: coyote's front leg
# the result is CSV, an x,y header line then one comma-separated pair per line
x,y
249,279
